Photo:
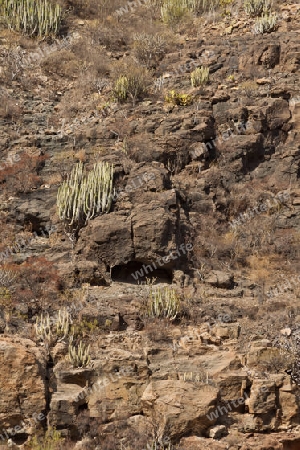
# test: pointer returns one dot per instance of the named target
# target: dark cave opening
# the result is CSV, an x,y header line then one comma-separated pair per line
x,y
20,439
83,407
136,272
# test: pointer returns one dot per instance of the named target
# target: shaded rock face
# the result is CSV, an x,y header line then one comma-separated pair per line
x,y
148,219
138,241
108,238
35,210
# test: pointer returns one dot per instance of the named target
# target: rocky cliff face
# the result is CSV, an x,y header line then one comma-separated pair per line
x,y
207,202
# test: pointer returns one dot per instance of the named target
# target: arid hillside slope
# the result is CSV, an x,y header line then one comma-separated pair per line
x,y
167,318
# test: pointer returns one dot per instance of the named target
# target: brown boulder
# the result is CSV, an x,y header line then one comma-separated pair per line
x,y
22,385
179,408
198,443
220,279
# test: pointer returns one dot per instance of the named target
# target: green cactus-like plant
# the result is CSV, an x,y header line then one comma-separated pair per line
x,y
32,17
79,355
255,8
163,303
63,324
84,195
121,88
172,11
199,76
265,24
201,6
43,328
132,82
55,328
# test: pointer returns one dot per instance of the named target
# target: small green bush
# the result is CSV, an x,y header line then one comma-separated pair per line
x,y
173,11
5,296
32,17
132,82
255,8
202,6
226,6
83,328
51,441
265,24
200,76
179,99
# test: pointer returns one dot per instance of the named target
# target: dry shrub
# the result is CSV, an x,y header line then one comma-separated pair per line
x,y
8,232
63,63
9,108
83,8
240,199
254,236
91,9
250,312
54,179
149,49
92,79
96,67
37,279
30,82
212,244
153,8
260,266
11,66
278,363
94,56
249,88
233,440
72,104
27,43
80,155
158,330
22,175
131,81
113,38
287,244
276,306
